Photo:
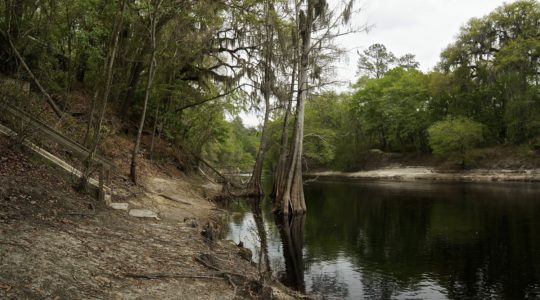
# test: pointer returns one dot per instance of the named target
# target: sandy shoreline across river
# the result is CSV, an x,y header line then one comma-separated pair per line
x,y
426,173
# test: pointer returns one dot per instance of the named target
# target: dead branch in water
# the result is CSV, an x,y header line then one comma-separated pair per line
x,y
311,180
225,179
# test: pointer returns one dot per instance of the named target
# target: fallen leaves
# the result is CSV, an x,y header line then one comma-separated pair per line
x,y
6,287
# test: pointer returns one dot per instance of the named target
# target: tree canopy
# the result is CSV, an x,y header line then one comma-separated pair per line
x,y
183,71
488,77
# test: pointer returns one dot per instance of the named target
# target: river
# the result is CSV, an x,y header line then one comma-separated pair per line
x,y
401,240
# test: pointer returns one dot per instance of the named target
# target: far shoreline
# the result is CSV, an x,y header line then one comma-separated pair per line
x,y
419,173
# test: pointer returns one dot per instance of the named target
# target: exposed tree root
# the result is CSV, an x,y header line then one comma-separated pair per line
x,y
151,276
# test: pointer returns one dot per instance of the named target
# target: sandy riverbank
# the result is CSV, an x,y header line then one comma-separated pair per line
x,y
424,173
56,243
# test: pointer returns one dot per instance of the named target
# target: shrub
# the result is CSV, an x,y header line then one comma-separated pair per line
x,y
455,137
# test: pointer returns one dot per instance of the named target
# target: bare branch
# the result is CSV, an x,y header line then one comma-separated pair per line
x,y
212,98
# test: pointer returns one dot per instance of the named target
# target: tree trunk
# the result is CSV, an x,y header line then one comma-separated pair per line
x,y
109,74
135,72
293,196
90,120
254,186
108,82
154,129
134,77
279,177
292,199
151,71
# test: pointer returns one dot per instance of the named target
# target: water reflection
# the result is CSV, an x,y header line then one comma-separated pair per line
x,y
291,230
406,241
265,269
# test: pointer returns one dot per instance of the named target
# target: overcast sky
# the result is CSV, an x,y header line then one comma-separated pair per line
x,y
421,27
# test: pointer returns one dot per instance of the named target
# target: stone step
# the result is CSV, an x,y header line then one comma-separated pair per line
x,y
119,206
143,213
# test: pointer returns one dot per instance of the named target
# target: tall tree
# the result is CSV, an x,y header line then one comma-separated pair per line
x,y
408,61
153,12
281,169
105,93
311,16
494,68
254,185
376,60
292,198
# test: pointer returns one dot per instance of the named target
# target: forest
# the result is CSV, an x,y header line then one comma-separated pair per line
x,y
174,76
130,167
483,93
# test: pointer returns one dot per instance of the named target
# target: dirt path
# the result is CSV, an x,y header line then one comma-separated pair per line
x,y
177,199
57,244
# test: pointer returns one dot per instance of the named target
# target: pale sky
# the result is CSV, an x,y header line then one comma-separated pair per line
x,y
421,27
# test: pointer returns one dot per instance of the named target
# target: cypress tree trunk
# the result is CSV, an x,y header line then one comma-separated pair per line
x,y
279,177
254,186
292,199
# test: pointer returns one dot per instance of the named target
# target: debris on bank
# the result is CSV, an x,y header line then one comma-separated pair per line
x,y
56,243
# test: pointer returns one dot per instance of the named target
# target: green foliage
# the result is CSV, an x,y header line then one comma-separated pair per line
x,y
455,136
275,128
325,134
322,124
490,75
486,90
67,43
236,149
494,71
393,110
375,61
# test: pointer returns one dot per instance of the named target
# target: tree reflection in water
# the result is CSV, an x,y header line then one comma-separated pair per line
x,y
380,240
291,230
265,271
324,284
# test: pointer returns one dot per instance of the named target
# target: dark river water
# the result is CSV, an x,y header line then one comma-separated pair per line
x,y
392,240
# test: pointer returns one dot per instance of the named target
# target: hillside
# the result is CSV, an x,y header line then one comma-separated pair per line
x,y
57,243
